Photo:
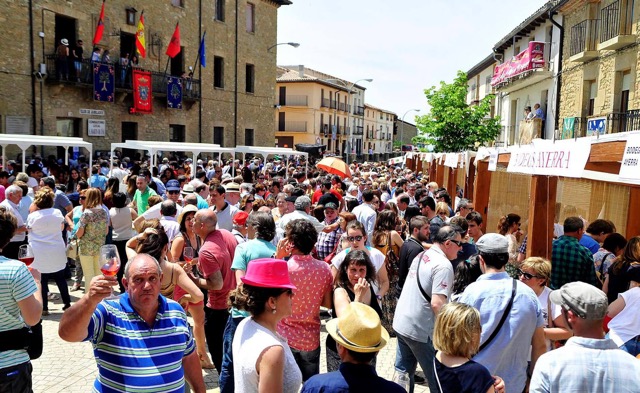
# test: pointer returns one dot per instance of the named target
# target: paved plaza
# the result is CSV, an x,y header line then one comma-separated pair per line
x,y
71,368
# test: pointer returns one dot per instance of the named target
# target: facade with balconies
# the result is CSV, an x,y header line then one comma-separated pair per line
x,y
600,63
317,108
527,74
378,132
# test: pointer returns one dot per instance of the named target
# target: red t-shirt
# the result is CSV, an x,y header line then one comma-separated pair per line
x,y
216,254
317,194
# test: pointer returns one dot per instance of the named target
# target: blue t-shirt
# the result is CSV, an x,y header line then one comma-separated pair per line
x,y
245,253
587,241
351,378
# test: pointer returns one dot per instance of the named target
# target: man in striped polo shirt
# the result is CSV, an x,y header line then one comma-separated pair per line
x,y
141,340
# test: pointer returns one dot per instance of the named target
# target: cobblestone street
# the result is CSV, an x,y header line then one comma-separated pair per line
x,y
71,368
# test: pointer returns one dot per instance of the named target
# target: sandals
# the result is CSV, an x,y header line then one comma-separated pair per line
x,y
205,363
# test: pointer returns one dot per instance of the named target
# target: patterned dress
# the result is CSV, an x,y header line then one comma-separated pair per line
x,y
94,222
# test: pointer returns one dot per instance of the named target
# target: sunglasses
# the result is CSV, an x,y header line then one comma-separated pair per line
x,y
456,242
83,197
173,192
527,276
251,200
354,238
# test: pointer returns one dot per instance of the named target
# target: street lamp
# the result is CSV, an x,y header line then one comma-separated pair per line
x,y
402,126
294,44
350,90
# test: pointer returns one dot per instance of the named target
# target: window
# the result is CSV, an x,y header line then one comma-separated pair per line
x,y
250,14
131,16
250,78
218,136
177,3
248,136
219,11
487,85
176,133
593,92
218,72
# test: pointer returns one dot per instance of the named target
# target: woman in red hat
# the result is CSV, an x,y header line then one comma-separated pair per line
x,y
262,358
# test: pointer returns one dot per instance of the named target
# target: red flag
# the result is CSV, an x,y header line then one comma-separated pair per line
x,y
100,27
140,40
174,46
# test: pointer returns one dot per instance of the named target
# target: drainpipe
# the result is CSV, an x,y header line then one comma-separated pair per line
x,y
235,88
497,57
32,55
559,73
200,73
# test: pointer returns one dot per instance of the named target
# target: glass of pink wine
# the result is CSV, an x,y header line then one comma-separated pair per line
x,y
25,254
187,254
109,261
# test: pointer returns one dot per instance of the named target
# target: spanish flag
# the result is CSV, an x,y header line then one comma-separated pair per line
x,y
100,27
140,41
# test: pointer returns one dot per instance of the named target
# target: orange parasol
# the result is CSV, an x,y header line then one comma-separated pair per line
x,y
335,166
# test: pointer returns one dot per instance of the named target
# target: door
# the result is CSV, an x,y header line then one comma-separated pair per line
x,y
281,122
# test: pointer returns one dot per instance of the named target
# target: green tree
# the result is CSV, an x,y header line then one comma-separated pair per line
x,y
452,125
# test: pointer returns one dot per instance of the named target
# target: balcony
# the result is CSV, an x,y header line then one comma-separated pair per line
x,y
622,122
333,105
341,106
583,41
324,103
358,110
578,130
292,126
615,26
294,100
359,130
190,92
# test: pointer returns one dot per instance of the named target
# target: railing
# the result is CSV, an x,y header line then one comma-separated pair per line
x,y
358,130
583,37
295,100
293,126
324,103
333,104
358,110
191,87
621,122
610,22
341,106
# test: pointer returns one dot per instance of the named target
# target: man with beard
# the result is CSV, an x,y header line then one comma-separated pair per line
x,y
419,228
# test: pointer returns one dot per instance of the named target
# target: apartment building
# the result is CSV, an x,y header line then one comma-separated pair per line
x,y
379,126
479,82
229,101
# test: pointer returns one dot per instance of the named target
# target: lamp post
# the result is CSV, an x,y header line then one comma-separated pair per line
x,y
402,127
349,91
294,44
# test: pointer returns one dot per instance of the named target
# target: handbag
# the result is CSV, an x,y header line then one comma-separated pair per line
x,y
391,259
27,338
330,257
72,248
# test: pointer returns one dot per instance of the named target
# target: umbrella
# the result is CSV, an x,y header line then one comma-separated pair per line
x,y
335,166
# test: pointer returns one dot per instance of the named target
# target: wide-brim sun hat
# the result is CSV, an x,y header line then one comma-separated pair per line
x,y
268,273
358,329
185,210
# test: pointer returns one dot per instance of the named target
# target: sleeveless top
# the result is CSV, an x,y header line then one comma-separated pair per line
x,y
373,303
249,341
167,291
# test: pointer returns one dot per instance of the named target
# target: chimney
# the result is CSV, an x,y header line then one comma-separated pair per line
x,y
301,71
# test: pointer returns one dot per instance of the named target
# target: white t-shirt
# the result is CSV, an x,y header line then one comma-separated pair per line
x,y
45,238
556,311
225,217
626,325
377,258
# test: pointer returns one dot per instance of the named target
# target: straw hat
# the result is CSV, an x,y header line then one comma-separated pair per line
x,y
358,329
185,210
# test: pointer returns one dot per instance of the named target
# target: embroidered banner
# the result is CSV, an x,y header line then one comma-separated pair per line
x,y
529,59
103,82
142,94
174,92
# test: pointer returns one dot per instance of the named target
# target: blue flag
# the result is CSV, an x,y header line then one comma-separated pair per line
x,y
203,57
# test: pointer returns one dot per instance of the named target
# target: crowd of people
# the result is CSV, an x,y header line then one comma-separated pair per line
x,y
256,252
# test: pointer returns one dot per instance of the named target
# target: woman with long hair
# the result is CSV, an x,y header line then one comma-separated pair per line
x,y
353,283
113,186
263,361
388,242
91,234
131,187
467,272
246,203
72,182
45,226
509,227
345,219
617,281
73,220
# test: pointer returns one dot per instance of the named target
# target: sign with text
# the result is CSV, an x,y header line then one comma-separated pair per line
x,y
529,59
93,112
96,127
17,125
630,166
493,160
543,157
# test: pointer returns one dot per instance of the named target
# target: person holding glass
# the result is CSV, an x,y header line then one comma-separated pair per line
x,y
45,238
91,233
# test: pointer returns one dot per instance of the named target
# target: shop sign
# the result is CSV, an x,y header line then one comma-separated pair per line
x,y
630,166
543,157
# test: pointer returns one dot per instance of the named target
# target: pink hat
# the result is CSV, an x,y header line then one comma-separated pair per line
x,y
268,273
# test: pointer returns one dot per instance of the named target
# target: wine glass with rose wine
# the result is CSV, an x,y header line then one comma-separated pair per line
x,y
109,261
187,254
25,254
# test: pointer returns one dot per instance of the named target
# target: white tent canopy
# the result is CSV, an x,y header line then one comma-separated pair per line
x,y
266,151
26,141
153,147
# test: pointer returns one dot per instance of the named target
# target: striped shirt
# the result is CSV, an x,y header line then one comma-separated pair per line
x,y
133,357
16,284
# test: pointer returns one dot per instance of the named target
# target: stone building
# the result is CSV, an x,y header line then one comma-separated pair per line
x,y
403,132
230,101
479,82
318,108
378,124
599,68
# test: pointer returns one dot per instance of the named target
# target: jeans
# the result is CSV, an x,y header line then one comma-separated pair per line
x,y
226,374
16,379
58,277
409,353
632,346
215,322
308,362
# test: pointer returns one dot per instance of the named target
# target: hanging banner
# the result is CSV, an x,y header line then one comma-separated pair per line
x,y
568,127
529,59
544,157
142,94
630,166
493,160
103,82
451,160
174,92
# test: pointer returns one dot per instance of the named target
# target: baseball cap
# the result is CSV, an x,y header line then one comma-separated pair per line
x,y
330,205
173,185
240,218
584,300
493,243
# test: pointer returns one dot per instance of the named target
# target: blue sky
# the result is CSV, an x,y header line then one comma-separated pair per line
x,y
404,45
